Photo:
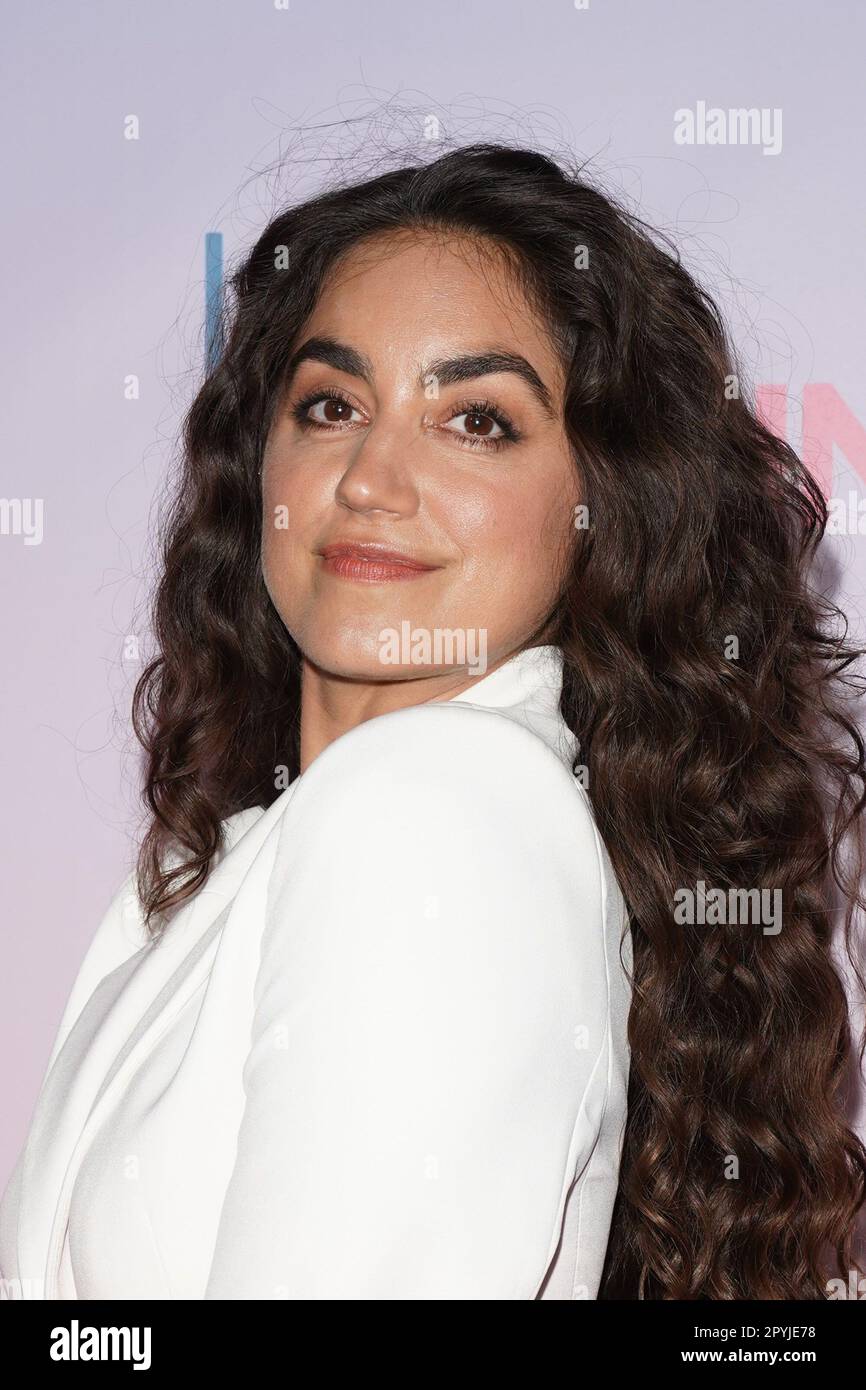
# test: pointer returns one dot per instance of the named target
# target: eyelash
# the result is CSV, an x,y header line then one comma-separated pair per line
x,y
510,433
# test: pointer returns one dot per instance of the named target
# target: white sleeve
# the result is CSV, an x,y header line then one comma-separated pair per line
x,y
430,1007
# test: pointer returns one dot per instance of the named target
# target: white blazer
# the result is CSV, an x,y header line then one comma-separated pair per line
x,y
381,1054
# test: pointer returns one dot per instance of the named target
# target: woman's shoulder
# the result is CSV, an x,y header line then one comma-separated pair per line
x,y
448,787
427,785
449,743
441,847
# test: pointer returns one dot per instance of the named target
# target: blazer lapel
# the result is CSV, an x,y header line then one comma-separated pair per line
x,y
124,1017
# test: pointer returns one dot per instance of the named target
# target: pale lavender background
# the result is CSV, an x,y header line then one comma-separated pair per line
x,y
102,271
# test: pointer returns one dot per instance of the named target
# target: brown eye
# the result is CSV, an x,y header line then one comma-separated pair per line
x,y
481,425
325,409
476,423
335,412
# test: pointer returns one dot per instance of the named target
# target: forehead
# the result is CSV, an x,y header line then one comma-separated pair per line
x,y
426,291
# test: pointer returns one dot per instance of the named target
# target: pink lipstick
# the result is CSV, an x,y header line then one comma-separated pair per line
x,y
370,563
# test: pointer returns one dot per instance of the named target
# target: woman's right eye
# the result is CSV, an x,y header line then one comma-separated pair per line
x,y
325,409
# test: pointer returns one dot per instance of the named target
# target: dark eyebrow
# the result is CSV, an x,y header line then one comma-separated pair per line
x,y
447,370
334,354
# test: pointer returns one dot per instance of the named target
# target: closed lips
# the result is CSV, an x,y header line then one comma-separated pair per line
x,y
371,562
374,555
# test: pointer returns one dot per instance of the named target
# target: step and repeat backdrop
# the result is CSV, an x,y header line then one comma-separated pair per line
x,y
146,146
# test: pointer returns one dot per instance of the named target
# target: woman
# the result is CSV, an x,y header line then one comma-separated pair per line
x,y
486,639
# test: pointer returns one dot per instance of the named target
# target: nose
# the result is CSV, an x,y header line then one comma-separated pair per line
x,y
380,476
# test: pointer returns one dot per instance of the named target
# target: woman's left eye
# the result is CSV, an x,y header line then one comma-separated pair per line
x,y
482,425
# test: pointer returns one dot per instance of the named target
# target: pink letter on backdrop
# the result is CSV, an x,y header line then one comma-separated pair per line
x,y
827,420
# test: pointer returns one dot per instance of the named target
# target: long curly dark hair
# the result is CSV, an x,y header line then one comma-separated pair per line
x,y
742,772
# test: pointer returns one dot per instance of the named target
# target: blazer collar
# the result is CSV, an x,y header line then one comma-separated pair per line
x,y
526,688
532,674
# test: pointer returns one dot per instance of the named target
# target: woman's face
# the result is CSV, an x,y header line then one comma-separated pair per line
x,y
389,436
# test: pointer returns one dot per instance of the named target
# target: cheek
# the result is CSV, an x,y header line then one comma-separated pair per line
x,y
285,522
294,499
282,493
518,530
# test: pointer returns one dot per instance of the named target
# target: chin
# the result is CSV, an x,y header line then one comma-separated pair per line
x,y
353,654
